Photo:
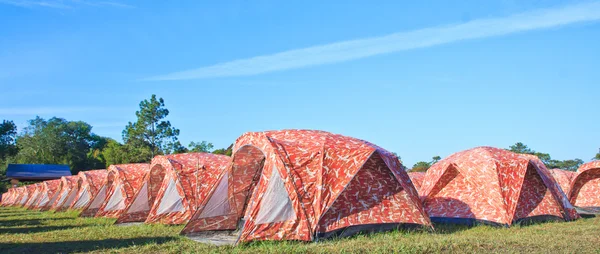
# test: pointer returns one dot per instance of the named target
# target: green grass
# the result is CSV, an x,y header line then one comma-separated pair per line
x,y
23,231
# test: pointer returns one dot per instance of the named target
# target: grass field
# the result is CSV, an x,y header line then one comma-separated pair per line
x,y
24,231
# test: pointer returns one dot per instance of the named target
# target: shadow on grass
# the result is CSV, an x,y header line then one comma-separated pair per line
x,y
28,222
81,246
32,230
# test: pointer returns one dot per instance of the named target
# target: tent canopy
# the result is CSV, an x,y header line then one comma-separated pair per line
x,y
303,184
563,178
37,171
174,187
585,186
122,182
89,185
492,185
417,179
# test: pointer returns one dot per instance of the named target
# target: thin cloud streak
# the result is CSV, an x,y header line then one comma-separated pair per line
x,y
54,110
56,4
362,48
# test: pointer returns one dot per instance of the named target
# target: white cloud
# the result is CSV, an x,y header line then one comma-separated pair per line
x,y
361,48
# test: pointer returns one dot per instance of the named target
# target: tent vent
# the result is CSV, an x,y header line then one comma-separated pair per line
x,y
219,203
99,199
141,201
83,199
275,205
171,201
116,202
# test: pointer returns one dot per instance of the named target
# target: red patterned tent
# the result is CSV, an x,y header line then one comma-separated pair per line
x,y
29,194
8,197
49,190
417,179
494,186
67,184
89,184
563,178
174,188
304,185
123,181
36,194
585,187
21,196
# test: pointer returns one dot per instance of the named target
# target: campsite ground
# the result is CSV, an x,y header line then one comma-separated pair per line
x,y
24,231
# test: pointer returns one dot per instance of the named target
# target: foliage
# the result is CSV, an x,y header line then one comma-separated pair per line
x,y
597,157
423,166
571,165
224,151
200,147
8,136
151,135
58,141
25,231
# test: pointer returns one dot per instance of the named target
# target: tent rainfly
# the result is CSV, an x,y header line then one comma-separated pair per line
x,y
305,185
29,194
563,178
89,184
122,182
585,187
417,179
67,184
494,186
21,196
174,188
34,196
49,190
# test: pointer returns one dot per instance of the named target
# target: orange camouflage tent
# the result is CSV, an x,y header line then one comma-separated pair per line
x,y
174,188
122,182
305,185
495,186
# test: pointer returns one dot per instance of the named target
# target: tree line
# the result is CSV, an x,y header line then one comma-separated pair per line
x,y
60,141
570,165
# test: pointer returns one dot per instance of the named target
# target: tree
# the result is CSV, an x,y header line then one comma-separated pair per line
x,y
224,151
571,165
151,135
8,137
58,141
597,157
200,147
423,166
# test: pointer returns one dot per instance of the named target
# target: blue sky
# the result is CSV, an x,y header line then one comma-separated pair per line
x,y
420,79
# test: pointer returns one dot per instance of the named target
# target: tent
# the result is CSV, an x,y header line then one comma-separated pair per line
x,y
494,186
305,185
49,189
67,183
174,187
585,187
89,184
36,194
563,178
123,181
8,197
20,197
29,194
417,179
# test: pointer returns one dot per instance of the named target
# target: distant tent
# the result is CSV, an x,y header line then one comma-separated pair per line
x,y
585,187
49,189
8,197
34,196
563,178
37,171
494,186
174,188
305,185
20,197
89,183
67,183
123,181
30,192
417,179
